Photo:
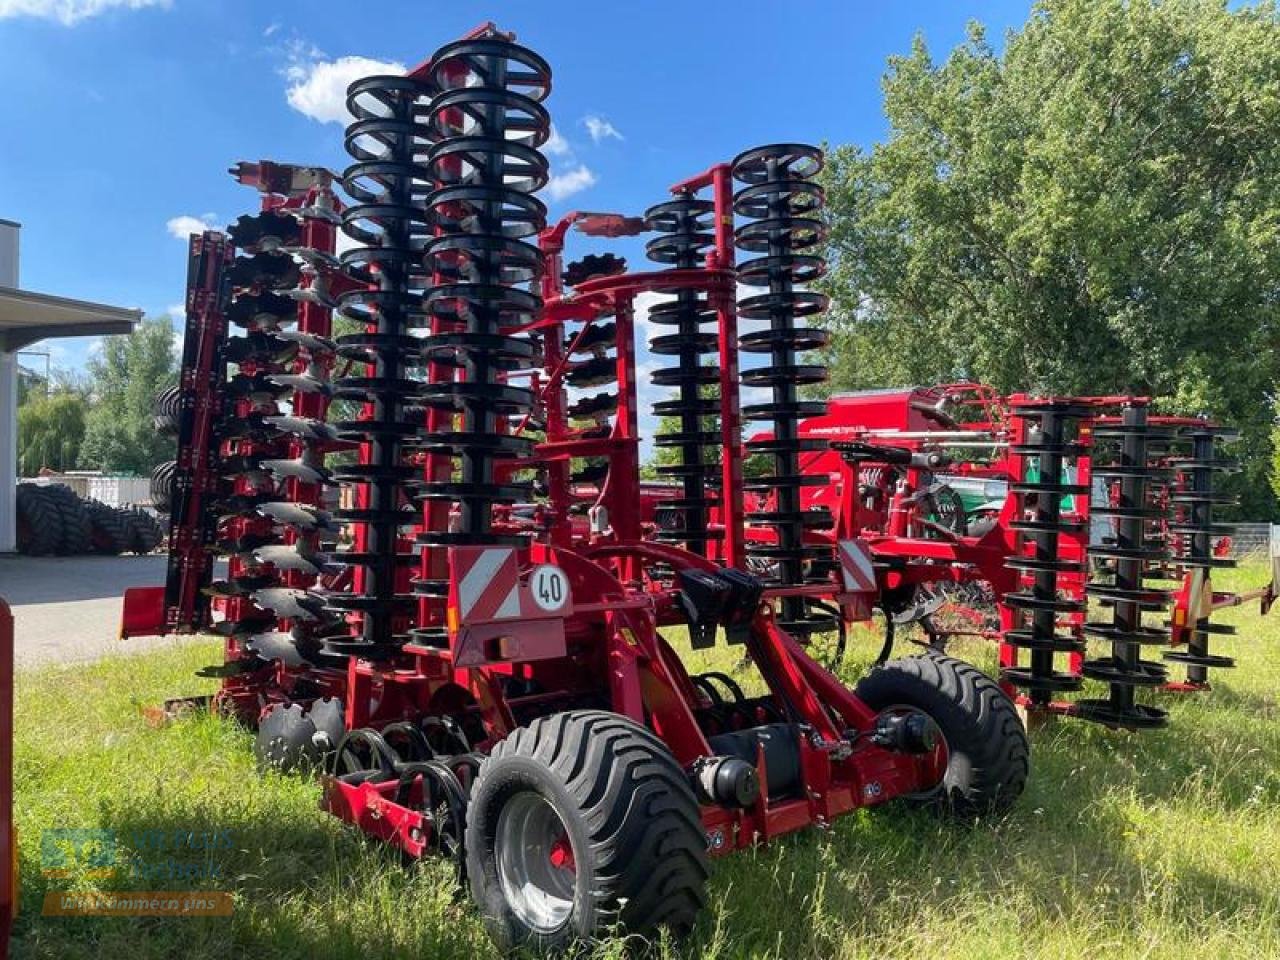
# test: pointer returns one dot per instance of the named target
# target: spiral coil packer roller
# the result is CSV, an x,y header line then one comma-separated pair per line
x,y
1132,556
779,205
1193,501
685,233
389,222
1040,604
486,122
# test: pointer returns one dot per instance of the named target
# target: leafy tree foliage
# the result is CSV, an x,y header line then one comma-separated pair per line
x,y
752,466
50,431
1094,209
124,380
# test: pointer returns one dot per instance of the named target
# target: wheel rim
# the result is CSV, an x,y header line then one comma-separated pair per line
x,y
936,763
535,862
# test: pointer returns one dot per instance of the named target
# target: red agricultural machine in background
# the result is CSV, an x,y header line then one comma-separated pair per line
x,y
445,580
1015,511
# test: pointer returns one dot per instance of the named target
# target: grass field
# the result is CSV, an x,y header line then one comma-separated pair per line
x,y
1157,845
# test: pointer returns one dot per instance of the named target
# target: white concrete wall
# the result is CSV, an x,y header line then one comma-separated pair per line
x,y
8,400
119,491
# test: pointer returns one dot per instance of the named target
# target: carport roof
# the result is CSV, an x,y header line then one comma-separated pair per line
x,y
26,317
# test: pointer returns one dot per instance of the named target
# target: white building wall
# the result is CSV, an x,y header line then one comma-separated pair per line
x,y
8,400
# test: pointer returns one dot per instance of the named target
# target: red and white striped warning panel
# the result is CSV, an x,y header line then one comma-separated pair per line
x,y
494,617
486,582
485,586
856,568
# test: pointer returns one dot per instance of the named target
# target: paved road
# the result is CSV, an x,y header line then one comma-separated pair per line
x,y
67,609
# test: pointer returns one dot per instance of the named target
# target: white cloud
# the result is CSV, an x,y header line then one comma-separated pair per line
x,y
271,29
185,225
645,301
556,145
318,88
566,184
94,349
177,326
647,394
343,243
600,128
297,53
642,304
70,12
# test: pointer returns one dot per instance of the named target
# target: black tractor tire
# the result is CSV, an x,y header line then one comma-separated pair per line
x,y
39,522
76,535
167,411
162,486
989,757
144,532
618,802
112,531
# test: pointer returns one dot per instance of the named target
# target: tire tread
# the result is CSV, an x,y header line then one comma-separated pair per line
x,y
641,815
989,732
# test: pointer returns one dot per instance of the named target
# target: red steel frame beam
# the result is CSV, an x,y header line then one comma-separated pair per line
x,y
314,317
200,377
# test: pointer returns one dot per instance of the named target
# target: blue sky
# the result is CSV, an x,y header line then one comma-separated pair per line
x,y
121,116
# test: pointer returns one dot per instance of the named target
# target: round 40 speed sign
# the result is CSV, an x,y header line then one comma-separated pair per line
x,y
550,587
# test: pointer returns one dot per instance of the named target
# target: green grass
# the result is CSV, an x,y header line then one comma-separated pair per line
x,y
1163,844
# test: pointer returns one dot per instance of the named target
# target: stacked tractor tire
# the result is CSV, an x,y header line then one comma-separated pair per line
x,y
166,419
53,520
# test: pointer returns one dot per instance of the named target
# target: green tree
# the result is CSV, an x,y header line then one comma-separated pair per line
x,y
50,431
1094,209
123,383
1275,450
668,425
